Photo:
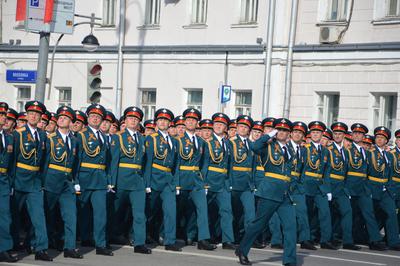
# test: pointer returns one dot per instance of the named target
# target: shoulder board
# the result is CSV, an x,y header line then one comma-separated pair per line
x,y
154,134
21,129
51,135
233,138
307,145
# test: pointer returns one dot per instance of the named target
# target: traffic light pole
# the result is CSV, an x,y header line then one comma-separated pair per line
x,y
42,66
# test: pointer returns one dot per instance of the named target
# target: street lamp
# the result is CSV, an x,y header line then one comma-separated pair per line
x,y
90,42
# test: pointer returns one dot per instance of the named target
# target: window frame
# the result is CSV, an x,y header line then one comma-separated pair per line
x,y
326,110
20,102
381,110
152,13
246,109
62,102
198,106
148,108
248,12
109,23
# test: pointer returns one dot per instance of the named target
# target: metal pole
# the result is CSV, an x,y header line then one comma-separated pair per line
x,y
52,64
289,59
42,66
268,58
120,66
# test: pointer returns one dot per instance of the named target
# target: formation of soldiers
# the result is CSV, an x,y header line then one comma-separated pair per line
x,y
70,175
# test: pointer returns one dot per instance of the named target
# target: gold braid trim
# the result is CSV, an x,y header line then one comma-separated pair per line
x,y
129,154
181,153
377,168
336,167
271,158
352,164
88,151
395,167
218,159
156,153
53,154
310,163
237,158
26,155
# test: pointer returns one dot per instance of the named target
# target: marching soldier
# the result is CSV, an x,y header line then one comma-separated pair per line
x,y
268,124
159,175
379,183
232,128
52,125
6,160
127,162
11,121
44,121
356,184
58,180
215,173
114,127
206,126
80,122
92,180
241,171
149,127
395,170
21,120
336,173
368,142
190,184
273,193
29,152
317,186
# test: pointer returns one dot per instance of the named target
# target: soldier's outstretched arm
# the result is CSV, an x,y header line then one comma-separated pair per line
x,y
259,145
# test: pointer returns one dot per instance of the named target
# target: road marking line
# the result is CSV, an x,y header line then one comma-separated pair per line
x,y
371,253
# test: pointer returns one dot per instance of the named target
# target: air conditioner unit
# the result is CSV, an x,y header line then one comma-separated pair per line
x,y
329,34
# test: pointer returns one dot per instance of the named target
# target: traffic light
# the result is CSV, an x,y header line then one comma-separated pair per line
x,y
94,82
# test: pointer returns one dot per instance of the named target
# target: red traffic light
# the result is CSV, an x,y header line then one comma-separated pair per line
x,y
96,69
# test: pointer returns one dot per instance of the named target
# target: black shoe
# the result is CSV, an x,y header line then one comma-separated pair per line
x,y
277,246
120,240
43,255
380,246
259,245
351,247
29,250
396,247
6,257
150,241
189,242
336,242
173,247
72,253
328,245
104,251
307,245
228,245
289,264
244,260
87,243
205,245
142,249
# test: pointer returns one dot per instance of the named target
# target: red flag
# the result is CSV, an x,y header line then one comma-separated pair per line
x,y
48,13
21,10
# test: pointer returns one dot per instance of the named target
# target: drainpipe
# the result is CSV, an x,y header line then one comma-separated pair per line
x,y
120,68
289,59
268,58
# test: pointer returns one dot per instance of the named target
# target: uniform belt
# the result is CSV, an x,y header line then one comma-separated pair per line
x,y
218,170
130,165
377,179
28,167
278,176
357,174
260,168
396,179
313,174
293,173
3,170
241,169
338,177
189,168
94,166
60,168
161,167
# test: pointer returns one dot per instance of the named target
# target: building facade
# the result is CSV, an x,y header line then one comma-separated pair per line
x,y
178,54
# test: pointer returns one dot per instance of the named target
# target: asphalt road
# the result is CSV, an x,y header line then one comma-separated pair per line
x,y
123,255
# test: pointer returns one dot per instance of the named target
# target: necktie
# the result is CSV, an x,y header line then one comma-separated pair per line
x,y
169,145
285,153
384,156
67,143
135,137
223,145
194,143
1,143
99,139
362,152
298,152
246,144
36,139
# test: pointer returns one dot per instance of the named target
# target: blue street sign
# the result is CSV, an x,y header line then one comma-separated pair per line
x,y
21,76
226,93
34,3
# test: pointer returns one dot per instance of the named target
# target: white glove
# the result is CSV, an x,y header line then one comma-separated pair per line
x,y
11,192
329,195
230,188
178,192
148,190
77,188
384,188
272,133
206,190
110,189
349,197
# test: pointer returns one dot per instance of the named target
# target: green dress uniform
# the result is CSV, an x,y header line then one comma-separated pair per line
x,y
215,173
273,193
93,180
356,184
379,182
395,176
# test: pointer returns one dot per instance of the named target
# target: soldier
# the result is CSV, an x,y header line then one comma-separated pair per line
x,y
317,187
368,142
161,157
29,151
128,159
232,128
58,180
80,122
256,131
6,160
106,125
268,124
356,184
241,172
379,183
273,193
206,126
52,126
114,127
92,180
149,127
44,121
326,138
395,170
122,123
11,121
21,120
190,184
336,173
348,140
179,123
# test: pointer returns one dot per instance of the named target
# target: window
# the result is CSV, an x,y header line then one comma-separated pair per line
x,y
337,10
64,96
148,102
328,107
152,12
24,95
248,11
195,98
393,8
199,11
384,110
109,7
243,103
